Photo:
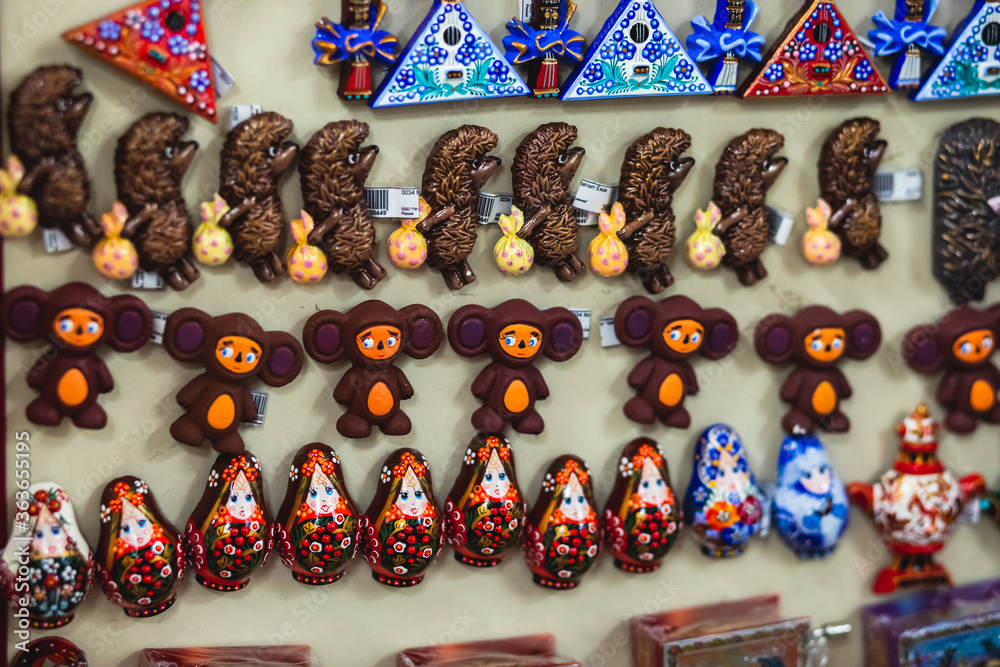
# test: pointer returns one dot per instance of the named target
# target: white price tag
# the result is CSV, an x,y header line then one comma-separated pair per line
x,y
159,326
903,185
779,225
972,511
220,77
492,205
146,280
393,202
55,241
259,402
239,113
608,337
585,218
524,11
593,196
583,314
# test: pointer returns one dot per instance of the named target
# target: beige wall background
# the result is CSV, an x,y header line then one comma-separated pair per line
x,y
265,47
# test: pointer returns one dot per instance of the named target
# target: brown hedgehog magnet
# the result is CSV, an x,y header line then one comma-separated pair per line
x,y
254,157
78,320
333,168
233,349
457,168
43,120
150,162
816,339
847,164
513,334
744,173
544,167
652,171
372,335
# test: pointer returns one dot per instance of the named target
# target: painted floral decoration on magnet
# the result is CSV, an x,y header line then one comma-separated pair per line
x,y
820,246
18,212
407,246
607,254
212,244
512,254
114,256
306,263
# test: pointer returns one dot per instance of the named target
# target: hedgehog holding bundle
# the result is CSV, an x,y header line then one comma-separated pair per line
x,y
743,175
254,157
544,167
150,162
651,172
457,167
333,168
847,164
43,120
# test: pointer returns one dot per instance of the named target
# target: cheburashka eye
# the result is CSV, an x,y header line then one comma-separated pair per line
x,y
987,342
675,335
509,341
66,325
695,337
816,344
369,343
392,341
227,352
251,357
533,342
837,343
966,348
93,328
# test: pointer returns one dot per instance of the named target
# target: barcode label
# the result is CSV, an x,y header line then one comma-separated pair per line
x,y
241,112
904,185
593,196
779,225
492,205
608,337
159,326
583,314
260,403
55,241
220,77
525,11
585,218
393,202
147,280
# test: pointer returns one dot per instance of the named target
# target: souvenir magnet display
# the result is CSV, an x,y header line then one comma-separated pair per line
x,y
115,257
635,55
233,349
744,173
723,504
651,172
703,248
971,65
512,254
43,119
161,45
607,255
355,42
317,526
966,221
817,54
727,41
512,334
459,165
962,343
907,33
77,320
641,518
820,246
448,59
544,167
562,535
212,244
810,504
150,162
542,38
140,558
674,330
333,168
915,505
401,531
372,335
254,157
18,212
847,164
407,247
306,263
816,339
484,511
228,535
47,568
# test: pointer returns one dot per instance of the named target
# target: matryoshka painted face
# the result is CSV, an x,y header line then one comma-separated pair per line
x,y
974,346
652,488
574,503
136,530
78,327
817,480
495,481
825,344
49,539
241,503
237,354
521,341
729,477
379,342
411,501
322,496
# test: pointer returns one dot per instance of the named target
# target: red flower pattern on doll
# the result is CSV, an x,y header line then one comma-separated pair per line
x,y
615,528
750,511
454,525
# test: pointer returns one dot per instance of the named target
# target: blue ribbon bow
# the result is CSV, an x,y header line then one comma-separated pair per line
x,y
896,34
708,42
334,42
524,43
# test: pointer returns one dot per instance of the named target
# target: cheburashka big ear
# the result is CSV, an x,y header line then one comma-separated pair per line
x,y
185,334
283,361
634,321
922,350
468,330
721,333
129,324
565,334
24,313
324,336
774,338
862,332
424,331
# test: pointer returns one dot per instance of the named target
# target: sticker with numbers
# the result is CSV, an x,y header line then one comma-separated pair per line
x,y
583,314
260,403
593,196
241,112
393,202
223,81
492,205
142,279
608,337
55,241
779,225
585,218
903,185
159,326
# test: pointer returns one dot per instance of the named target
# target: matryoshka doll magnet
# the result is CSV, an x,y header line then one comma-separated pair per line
x,y
228,535
140,558
58,568
484,512
642,518
317,525
401,531
723,504
561,535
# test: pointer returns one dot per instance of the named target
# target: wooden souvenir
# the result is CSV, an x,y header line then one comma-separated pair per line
x,y
150,162
372,335
544,166
484,511
642,518
355,42
562,535
333,168
254,157
233,349
542,38
317,525
512,334
727,40
43,120
906,35
401,531
140,557
816,339
47,568
228,536
915,505
50,650
77,320
674,329
971,65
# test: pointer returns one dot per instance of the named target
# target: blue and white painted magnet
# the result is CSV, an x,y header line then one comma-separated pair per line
x,y
908,33
728,39
971,66
449,58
